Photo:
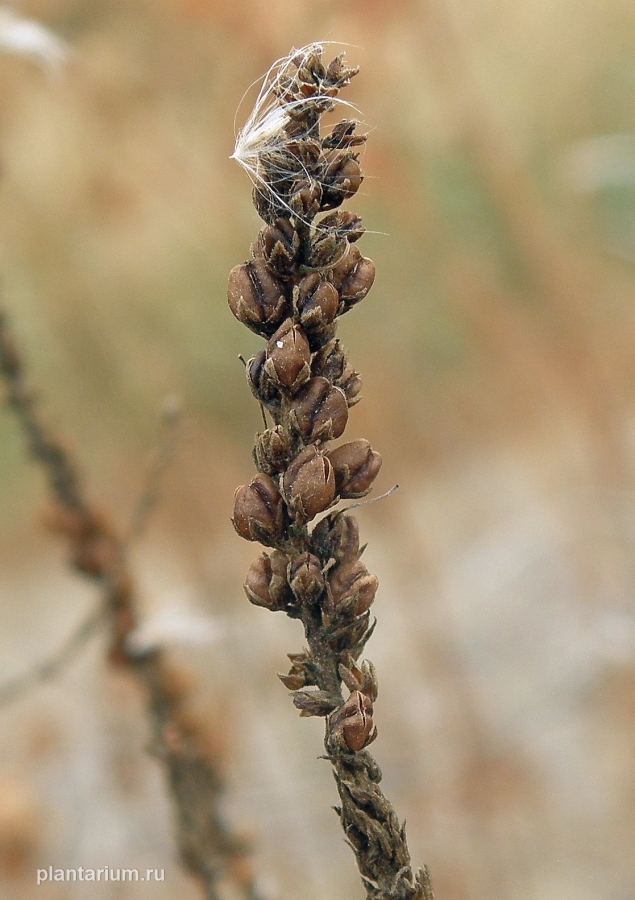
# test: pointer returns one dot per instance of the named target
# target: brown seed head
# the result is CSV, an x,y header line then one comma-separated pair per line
x,y
330,361
327,248
266,583
356,466
288,357
351,384
256,298
353,277
342,178
320,411
309,483
352,589
336,537
352,724
317,303
262,387
344,224
270,450
278,245
306,199
342,136
306,578
258,510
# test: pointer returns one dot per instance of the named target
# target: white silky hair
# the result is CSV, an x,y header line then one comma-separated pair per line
x,y
264,132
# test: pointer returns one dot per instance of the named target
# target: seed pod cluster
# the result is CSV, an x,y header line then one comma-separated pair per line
x,y
305,272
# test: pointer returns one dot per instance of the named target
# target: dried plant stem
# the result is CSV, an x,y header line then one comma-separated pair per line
x,y
161,458
209,848
51,668
304,273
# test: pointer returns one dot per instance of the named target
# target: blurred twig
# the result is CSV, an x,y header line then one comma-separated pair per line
x,y
15,688
209,849
163,454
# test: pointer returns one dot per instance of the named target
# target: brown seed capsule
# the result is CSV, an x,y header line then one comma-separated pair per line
x,y
356,466
309,483
258,510
317,303
326,250
330,361
352,589
262,387
306,199
342,136
306,578
278,245
271,451
288,357
336,537
320,411
256,298
351,384
353,277
341,179
344,224
352,724
266,583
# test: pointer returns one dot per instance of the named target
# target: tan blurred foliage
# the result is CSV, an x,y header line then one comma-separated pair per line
x,y
496,352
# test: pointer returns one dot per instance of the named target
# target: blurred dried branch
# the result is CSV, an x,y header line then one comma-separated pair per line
x,y
209,849
52,667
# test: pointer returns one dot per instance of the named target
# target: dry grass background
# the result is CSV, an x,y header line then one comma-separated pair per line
x,y
499,374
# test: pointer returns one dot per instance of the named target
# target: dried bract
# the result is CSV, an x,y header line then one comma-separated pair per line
x,y
264,389
315,703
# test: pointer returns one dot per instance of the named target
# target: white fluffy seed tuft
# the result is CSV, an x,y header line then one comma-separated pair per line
x,y
264,132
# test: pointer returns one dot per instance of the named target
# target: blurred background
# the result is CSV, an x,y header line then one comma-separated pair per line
x,y
496,350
